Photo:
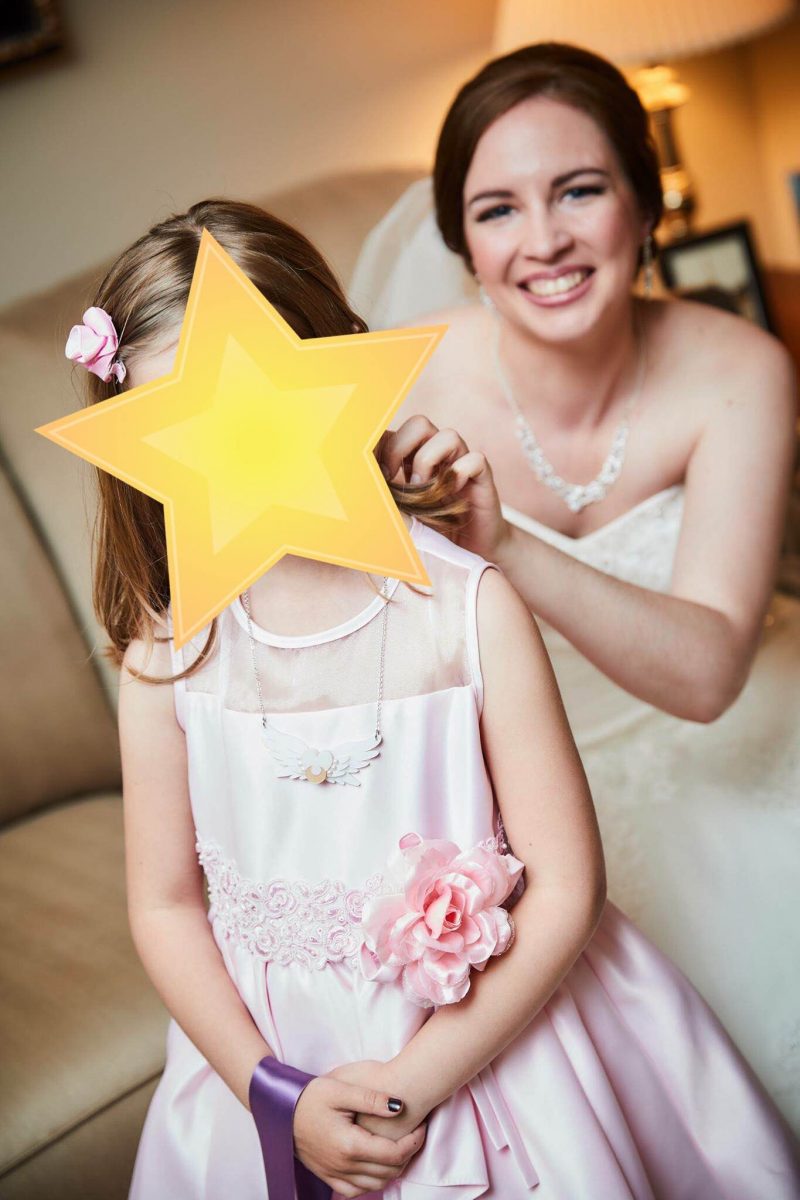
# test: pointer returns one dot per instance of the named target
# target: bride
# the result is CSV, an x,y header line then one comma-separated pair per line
x,y
627,463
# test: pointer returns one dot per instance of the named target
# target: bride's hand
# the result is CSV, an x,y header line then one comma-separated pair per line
x,y
419,448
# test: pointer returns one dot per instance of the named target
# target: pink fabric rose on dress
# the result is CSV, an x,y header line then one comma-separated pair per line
x,y
94,345
441,918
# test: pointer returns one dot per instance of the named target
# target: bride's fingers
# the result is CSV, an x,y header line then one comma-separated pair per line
x,y
430,449
441,450
389,459
473,467
400,449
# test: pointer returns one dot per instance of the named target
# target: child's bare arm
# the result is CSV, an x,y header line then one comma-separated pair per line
x,y
165,882
548,814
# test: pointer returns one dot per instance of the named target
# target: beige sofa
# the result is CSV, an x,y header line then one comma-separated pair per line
x,y
81,1027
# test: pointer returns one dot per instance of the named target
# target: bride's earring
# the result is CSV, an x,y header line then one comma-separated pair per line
x,y
647,263
485,298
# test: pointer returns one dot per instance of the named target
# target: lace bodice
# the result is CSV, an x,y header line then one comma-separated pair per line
x,y
638,546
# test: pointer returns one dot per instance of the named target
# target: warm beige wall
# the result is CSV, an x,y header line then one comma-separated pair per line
x,y
740,137
159,104
717,139
775,74
156,105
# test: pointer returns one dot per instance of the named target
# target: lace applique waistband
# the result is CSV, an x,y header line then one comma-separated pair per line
x,y
289,920
285,920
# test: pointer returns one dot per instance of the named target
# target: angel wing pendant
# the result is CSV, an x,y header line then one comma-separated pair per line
x,y
297,760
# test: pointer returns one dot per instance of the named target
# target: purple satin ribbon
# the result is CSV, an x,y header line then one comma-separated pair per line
x,y
274,1091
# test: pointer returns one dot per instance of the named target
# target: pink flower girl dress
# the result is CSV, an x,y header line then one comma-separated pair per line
x,y
624,1087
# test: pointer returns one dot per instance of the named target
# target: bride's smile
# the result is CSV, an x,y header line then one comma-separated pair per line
x,y
551,222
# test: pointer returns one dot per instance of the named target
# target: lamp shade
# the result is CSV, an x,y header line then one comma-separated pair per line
x,y
631,31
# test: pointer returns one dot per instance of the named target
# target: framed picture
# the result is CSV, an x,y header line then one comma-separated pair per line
x,y
794,184
27,28
718,267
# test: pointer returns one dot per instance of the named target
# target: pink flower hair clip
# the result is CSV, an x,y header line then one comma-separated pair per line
x,y
94,345
438,917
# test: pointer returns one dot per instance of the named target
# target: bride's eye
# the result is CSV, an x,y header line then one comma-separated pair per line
x,y
581,190
489,214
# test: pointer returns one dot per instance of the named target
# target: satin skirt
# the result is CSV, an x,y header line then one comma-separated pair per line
x,y
625,1086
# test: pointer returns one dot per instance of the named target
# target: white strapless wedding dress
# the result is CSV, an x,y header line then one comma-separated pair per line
x,y
700,823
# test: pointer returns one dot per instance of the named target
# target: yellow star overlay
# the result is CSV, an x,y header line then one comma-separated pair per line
x,y
259,443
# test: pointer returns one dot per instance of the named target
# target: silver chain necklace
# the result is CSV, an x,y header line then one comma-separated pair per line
x,y
575,495
294,758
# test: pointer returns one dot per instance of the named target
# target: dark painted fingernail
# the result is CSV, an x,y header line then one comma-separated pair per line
x,y
393,1104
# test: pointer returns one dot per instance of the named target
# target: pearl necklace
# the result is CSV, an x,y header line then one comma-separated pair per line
x,y
575,495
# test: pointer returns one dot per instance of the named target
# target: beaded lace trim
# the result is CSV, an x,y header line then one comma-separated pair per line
x,y
290,920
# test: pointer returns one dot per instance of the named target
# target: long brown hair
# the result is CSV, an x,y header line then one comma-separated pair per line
x,y
145,294
561,72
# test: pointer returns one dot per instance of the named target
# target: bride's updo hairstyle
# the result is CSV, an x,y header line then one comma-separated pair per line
x,y
560,72
145,293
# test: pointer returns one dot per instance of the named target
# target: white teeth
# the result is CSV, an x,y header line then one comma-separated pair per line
x,y
554,287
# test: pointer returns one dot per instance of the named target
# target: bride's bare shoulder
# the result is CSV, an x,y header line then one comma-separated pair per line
x,y
730,344
716,359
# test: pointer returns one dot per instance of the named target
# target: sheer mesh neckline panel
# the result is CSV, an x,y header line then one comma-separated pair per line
x,y
310,639
426,652
261,634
